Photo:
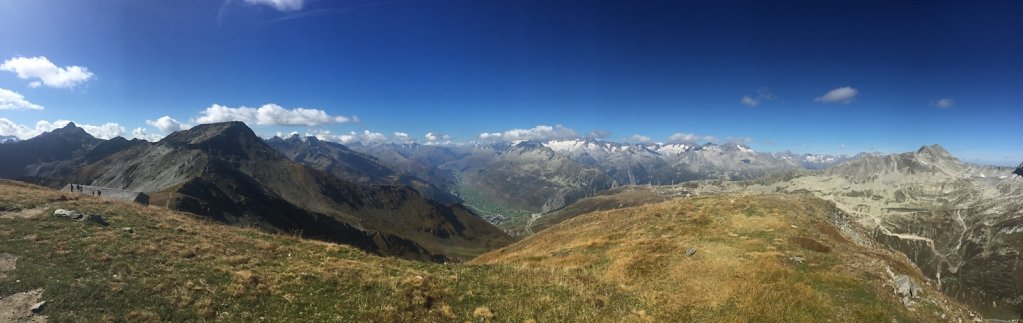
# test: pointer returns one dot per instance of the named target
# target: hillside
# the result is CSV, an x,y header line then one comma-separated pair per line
x,y
153,264
770,258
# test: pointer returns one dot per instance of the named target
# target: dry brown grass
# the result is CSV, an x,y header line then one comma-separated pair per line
x,y
177,267
742,271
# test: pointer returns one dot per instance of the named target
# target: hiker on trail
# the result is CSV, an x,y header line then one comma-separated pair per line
x,y
93,192
79,188
99,193
72,188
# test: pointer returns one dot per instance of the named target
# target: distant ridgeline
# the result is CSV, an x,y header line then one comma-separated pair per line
x,y
112,193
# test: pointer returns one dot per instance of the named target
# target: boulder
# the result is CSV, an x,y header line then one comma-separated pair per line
x,y
74,215
97,219
691,251
906,287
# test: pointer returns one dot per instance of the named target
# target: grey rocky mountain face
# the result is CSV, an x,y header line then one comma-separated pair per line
x,y
543,176
962,224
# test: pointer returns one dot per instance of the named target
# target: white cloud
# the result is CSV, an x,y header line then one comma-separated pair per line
x,y
270,114
167,124
141,133
764,94
10,100
48,73
680,138
365,137
750,101
843,95
403,137
320,134
640,139
541,132
9,128
943,103
436,137
282,5
105,131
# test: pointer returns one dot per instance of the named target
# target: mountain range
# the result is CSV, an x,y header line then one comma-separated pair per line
x,y
959,223
512,182
225,172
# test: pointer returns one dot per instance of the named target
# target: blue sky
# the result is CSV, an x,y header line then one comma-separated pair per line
x,y
904,74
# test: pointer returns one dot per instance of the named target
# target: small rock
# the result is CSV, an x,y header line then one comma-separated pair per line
x,y
797,259
691,251
97,219
38,307
128,229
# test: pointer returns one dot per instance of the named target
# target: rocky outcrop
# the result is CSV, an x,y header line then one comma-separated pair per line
x,y
1019,170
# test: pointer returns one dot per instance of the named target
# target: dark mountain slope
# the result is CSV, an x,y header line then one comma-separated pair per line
x,y
226,172
350,165
48,158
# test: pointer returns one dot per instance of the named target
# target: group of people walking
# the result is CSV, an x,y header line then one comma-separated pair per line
x,y
79,188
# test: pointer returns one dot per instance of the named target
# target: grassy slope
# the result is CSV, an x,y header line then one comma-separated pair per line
x,y
622,265
743,269
177,267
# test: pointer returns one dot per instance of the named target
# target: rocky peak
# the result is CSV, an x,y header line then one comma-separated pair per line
x,y
232,138
71,130
935,151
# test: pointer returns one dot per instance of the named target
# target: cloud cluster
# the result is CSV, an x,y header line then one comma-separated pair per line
x,y
281,5
436,137
270,115
365,137
541,132
105,131
167,125
403,137
843,95
10,100
46,72
142,133
764,94
688,138
637,138
943,103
